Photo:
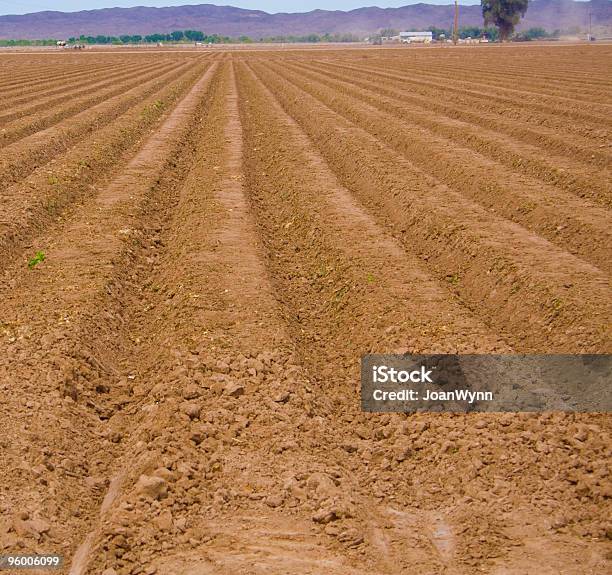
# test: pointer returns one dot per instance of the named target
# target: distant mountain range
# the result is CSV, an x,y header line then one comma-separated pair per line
x,y
230,21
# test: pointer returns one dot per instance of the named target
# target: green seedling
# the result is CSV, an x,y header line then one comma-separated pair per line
x,y
453,279
153,107
556,306
39,257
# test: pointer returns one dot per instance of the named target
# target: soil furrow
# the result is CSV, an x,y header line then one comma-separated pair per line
x,y
73,106
567,88
96,71
41,201
90,85
292,194
575,225
20,158
80,282
8,89
564,116
191,271
524,286
99,65
563,172
221,290
585,149
563,97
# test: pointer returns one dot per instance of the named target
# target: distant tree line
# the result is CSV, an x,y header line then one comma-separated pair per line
x,y
45,42
464,32
176,36
313,38
491,32
199,36
536,33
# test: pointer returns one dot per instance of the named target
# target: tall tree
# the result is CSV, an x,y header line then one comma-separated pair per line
x,y
505,14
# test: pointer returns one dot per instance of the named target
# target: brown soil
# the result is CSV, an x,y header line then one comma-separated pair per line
x,y
225,234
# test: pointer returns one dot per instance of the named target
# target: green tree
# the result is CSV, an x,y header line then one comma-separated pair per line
x,y
505,14
536,33
470,32
154,38
492,33
437,32
531,34
194,35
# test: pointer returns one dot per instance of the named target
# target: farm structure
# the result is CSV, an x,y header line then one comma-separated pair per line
x,y
197,247
416,37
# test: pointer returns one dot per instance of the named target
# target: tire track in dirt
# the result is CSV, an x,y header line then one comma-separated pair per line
x,y
572,223
469,247
68,360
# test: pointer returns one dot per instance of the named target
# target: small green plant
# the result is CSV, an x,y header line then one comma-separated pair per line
x,y
155,106
556,306
453,279
39,257
322,272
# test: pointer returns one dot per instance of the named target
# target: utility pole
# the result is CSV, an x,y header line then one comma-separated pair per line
x,y
590,26
456,23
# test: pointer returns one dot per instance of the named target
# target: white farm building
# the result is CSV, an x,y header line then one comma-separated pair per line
x,y
410,37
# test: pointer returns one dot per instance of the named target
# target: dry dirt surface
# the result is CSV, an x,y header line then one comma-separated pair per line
x,y
225,234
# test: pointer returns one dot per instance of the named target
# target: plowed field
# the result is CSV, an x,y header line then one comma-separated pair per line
x,y
225,234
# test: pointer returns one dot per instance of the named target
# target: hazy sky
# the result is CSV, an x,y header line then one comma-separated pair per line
x,y
24,6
